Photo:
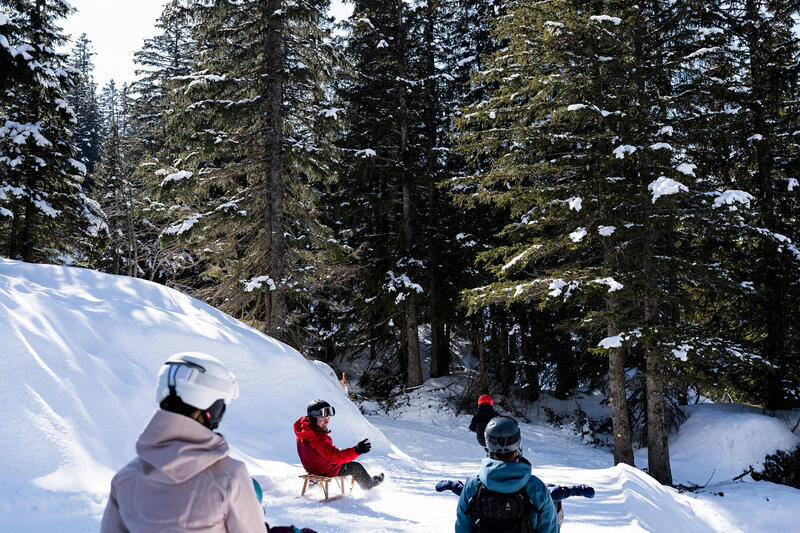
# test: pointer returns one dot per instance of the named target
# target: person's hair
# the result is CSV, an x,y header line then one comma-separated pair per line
x,y
510,456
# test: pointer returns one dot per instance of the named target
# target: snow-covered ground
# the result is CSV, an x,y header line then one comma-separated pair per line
x,y
80,351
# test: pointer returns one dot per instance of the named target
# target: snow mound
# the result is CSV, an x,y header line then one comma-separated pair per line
x,y
648,503
719,441
81,355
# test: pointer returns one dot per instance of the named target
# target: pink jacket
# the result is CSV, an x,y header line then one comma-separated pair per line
x,y
182,480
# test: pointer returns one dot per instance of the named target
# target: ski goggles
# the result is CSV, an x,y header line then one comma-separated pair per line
x,y
503,444
325,412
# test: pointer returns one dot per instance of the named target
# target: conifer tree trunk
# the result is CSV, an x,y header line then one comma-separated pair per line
x,y
771,282
414,368
440,360
620,420
657,439
26,244
273,48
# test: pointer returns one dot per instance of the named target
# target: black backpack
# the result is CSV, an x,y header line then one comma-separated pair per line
x,y
497,512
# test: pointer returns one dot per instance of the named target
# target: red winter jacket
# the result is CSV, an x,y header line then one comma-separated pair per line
x,y
317,452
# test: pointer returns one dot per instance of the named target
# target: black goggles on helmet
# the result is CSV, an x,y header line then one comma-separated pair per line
x,y
505,442
324,412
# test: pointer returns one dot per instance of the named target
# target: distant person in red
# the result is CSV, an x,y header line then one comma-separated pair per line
x,y
482,416
318,454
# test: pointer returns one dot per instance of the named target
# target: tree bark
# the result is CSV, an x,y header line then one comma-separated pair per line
x,y
657,439
620,422
276,318
27,241
414,368
618,397
772,284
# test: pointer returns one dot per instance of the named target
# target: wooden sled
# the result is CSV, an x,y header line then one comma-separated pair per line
x,y
324,482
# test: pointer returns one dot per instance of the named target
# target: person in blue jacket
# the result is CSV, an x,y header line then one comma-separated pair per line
x,y
505,471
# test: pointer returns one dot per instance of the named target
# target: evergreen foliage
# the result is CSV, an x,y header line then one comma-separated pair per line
x,y
44,214
597,194
83,99
781,467
253,130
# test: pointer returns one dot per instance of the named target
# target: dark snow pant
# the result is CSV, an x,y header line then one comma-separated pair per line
x,y
359,473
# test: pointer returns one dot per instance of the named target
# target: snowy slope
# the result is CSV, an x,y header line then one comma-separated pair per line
x,y
720,441
77,380
81,351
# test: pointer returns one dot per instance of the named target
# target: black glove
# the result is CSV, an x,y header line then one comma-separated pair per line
x,y
363,447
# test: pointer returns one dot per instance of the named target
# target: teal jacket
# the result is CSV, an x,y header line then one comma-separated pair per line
x,y
509,477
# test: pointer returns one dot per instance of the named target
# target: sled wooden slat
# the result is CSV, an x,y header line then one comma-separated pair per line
x,y
324,482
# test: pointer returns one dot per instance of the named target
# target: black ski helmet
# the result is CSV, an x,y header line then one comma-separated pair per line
x,y
503,435
320,408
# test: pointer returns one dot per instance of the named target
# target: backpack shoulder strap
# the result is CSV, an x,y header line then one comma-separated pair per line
x,y
471,502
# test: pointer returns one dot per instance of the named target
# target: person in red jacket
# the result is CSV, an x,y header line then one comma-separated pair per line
x,y
318,454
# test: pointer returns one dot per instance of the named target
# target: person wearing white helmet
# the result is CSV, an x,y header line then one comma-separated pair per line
x,y
183,478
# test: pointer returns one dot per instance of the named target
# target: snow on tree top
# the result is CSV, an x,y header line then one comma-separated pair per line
x,y
183,226
792,184
731,197
46,208
606,18
578,235
331,112
666,130
401,285
702,52
177,176
613,285
705,32
514,260
681,351
257,282
686,168
611,342
20,133
605,231
665,186
575,203
623,149
367,152
461,62
80,167
557,287
756,137
382,44
661,146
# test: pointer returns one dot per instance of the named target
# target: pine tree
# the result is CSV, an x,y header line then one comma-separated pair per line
x,y
255,153
588,119
51,218
83,99
118,190
748,124
375,202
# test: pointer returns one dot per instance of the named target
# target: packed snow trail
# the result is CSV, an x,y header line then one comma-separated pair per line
x,y
443,448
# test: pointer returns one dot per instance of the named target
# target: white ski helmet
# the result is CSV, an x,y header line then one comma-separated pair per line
x,y
198,379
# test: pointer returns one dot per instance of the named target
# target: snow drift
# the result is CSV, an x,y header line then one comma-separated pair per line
x,y
81,351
